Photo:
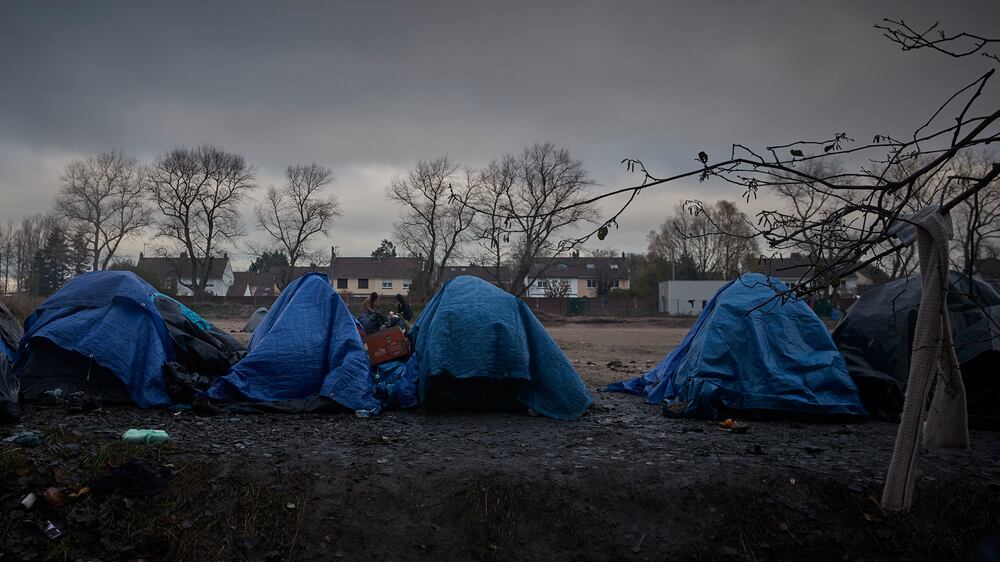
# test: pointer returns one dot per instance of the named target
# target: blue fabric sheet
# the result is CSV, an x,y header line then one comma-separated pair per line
x,y
750,352
110,317
308,345
474,329
191,315
7,351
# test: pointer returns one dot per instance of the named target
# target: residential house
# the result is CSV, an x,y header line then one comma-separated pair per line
x,y
173,274
791,270
486,274
389,276
251,284
576,276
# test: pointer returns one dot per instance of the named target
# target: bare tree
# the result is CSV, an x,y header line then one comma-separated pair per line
x,y
104,199
29,239
297,212
524,203
717,239
558,288
198,192
976,219
436,218
605,253
7,244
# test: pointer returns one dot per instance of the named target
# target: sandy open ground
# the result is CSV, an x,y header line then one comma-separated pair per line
x,y
621,483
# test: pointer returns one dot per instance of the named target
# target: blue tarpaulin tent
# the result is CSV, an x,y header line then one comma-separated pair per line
x,y
749,351
308,345
471,329
109,318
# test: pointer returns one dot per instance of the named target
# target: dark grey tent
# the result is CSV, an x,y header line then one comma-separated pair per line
x,y
876,338
10,337
255,320
198,346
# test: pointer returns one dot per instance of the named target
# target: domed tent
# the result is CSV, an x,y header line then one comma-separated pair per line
x,y
307,346
750,352
10,337
479,347
254,320
102,334
876,337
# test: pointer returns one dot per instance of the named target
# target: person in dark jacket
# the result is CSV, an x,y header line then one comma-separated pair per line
x,y
403,308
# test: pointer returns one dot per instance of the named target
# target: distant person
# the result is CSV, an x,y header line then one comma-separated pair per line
x,y
368,306
370,319
403,308
404,314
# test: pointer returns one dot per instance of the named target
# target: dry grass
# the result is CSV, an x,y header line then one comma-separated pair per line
x,y
491,506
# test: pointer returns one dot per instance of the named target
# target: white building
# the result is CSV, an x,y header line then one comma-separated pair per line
x,y
687,298
173,275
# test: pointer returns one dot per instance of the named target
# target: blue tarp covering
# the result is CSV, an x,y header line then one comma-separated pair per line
x,y
108,316
191,315
473,329
308,345
750,352
7,351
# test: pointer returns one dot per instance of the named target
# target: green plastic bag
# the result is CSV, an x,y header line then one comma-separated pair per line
x,y
145,436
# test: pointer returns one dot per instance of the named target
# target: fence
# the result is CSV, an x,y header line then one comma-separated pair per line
x,y
611,305
598,306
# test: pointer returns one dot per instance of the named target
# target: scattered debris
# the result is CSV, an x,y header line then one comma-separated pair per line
x,y
25,439
145,436
52,531
132,479
29,501
55,497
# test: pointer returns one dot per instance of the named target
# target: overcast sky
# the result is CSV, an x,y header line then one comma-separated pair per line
x,y
367,88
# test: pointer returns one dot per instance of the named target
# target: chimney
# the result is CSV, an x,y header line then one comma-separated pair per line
x,y
623,255
184,255
140,256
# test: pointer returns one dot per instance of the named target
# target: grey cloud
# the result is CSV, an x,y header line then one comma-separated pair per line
x,y
374,86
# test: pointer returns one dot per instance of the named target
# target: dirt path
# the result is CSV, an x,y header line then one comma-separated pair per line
x,y
622,483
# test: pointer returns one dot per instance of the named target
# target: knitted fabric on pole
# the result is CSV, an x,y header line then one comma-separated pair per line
x,y
933,368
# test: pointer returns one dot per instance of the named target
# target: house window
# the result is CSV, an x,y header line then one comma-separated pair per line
x,y
341,283
387,284
591,283
561,266
542,283
590,266
614,266
362,283
406,285
614,284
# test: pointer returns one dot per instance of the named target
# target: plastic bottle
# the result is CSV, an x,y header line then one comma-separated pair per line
x,y
145,436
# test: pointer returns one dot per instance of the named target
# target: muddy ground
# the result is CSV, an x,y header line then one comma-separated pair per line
x,y
622,483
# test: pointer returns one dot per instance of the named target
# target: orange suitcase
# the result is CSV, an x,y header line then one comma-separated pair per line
x,y
387,345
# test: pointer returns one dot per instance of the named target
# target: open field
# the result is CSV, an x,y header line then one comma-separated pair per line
x,y
622,483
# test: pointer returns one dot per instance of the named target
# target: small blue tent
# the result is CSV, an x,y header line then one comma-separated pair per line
x,y
107,317
749,351
474,330
308,345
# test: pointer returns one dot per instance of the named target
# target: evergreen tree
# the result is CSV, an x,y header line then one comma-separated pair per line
x,y
80,254
385,250
52,263
269,261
